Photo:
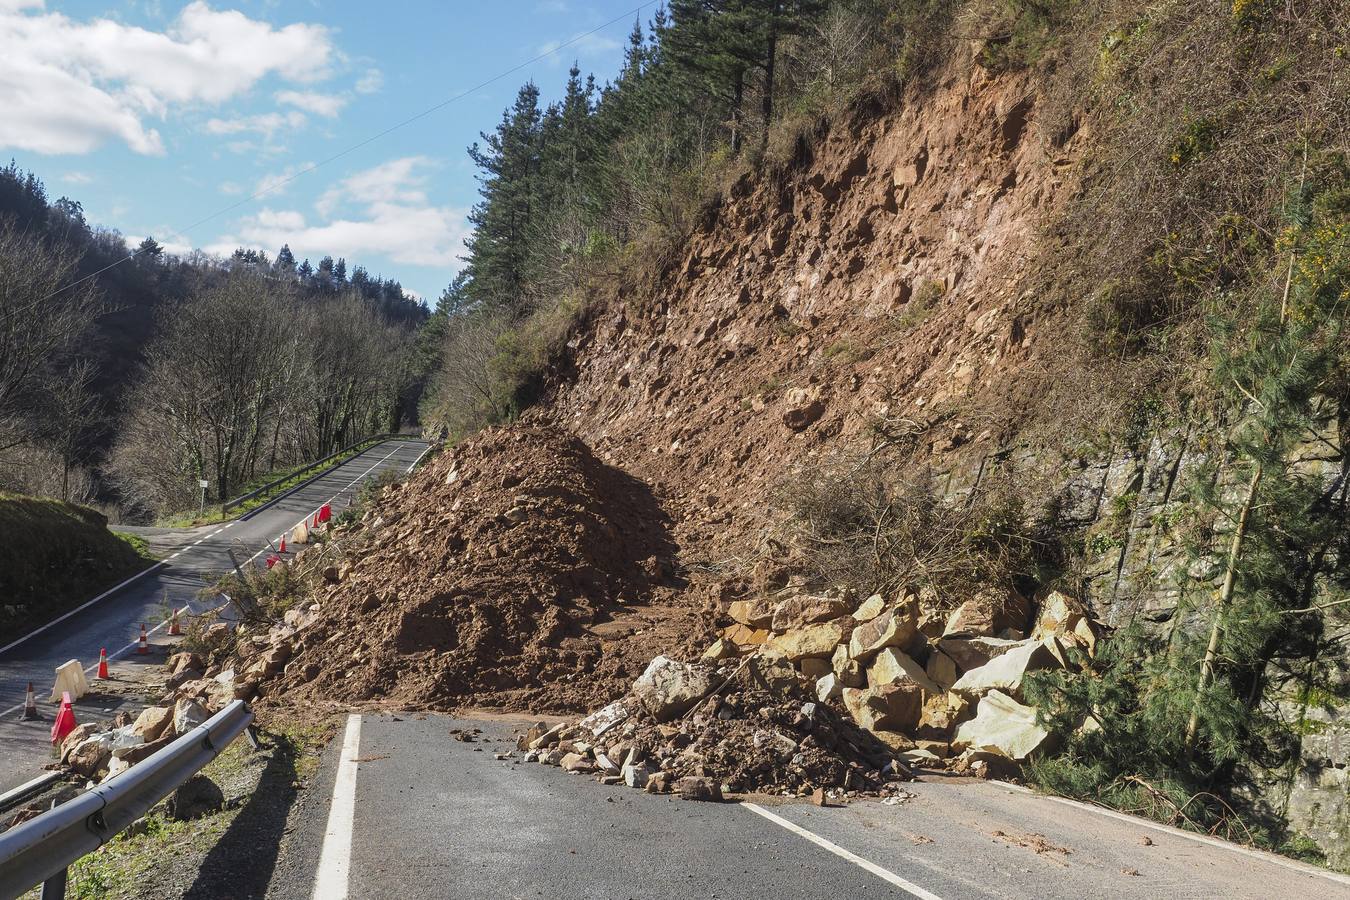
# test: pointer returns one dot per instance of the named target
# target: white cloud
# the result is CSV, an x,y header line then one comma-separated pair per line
x,y
231,188
265,124
581,45
276,182
380,211
77,178
326,105
370,82
169,241
68,86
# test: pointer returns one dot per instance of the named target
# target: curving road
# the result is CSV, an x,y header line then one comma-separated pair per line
x,y
113,620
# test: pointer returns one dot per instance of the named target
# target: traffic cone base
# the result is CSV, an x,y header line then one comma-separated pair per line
x,y
103,664
65,720
30,710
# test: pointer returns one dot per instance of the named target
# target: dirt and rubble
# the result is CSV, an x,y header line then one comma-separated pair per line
x,y
822,696
516,571
544,565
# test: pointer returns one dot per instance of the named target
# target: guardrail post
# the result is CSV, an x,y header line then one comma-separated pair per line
x,y
54,888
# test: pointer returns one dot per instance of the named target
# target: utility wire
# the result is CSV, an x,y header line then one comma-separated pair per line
x,y
370,140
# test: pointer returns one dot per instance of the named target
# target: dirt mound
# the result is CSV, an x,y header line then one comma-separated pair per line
x,y
516,571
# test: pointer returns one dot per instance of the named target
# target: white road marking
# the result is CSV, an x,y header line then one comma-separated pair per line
x,y
115,589
81,607
1189,835
887,875
335,859
419,458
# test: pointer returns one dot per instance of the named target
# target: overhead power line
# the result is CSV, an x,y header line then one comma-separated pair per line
x,y
273,186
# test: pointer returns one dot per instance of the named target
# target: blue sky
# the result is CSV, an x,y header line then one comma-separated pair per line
x,y
159,113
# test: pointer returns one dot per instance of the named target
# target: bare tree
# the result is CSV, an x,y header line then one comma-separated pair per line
x,y
43,314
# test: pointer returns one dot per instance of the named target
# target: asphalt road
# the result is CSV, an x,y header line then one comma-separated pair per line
x,y
113,622
432,817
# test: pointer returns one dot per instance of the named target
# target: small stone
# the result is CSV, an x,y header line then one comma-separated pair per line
x,y
636,775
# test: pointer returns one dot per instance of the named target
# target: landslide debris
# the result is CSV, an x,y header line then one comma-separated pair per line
x,y
493,577
822,695
756,731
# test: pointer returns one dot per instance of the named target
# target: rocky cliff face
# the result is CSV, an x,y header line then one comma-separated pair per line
x,y
876,283
880,287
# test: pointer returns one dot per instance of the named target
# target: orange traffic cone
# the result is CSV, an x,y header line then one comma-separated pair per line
x,y
144,646
65,719
30,712
282,548
103,664
174,628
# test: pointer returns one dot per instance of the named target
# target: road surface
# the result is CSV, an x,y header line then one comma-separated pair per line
x,y
114,621
401,810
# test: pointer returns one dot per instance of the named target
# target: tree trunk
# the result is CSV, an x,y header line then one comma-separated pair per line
x,y
737,98
1221,607
770,59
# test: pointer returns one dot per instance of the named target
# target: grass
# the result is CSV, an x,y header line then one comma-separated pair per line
x,y
215,512
55,555
168,858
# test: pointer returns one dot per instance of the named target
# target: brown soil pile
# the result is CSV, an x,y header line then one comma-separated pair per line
x,y
515,571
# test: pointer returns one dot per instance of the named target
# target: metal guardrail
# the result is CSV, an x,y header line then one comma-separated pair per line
x,y
271,485
40,850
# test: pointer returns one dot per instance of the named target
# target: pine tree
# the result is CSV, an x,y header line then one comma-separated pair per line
x,y
285,263
508,158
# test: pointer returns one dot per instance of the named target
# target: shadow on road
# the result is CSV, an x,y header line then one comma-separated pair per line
x,y
241,863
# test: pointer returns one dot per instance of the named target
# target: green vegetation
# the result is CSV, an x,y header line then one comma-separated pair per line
x,y
161,856
56,555
1181,718
147,375
597,193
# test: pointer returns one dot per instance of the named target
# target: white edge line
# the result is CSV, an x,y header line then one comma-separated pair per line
x,y
1263,855
419,458
330,882
884,874
83,606
161,563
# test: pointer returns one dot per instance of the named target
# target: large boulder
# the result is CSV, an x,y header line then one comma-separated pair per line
x,y
270,662
806,609
77,736
802,407
182,661
888,707
872,607
668,687
1006,672
605,718
153,722
991,613
187,715
1003,726
745,637
971,653
941,668
91,754
1057,615
892,665
751,613
849,670
897,627
809,641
